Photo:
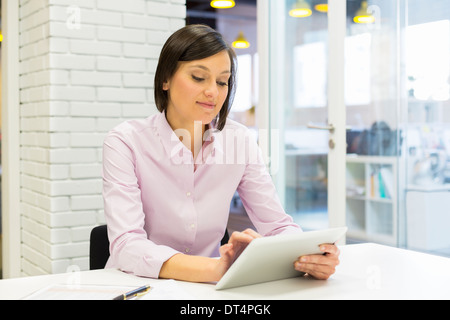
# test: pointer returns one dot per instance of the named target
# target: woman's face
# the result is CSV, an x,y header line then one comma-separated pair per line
x,y
197,90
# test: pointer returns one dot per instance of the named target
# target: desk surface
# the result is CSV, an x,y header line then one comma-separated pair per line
x,y
366,271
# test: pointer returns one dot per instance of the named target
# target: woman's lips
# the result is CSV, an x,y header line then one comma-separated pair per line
x,y
206,105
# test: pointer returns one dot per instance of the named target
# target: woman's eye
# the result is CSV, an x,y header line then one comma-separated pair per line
x,y
219,83
197,78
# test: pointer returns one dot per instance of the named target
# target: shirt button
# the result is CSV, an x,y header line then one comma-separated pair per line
x,y
192,226
188,194
187,250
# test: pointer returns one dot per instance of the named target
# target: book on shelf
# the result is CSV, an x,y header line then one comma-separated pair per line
x,y
381,183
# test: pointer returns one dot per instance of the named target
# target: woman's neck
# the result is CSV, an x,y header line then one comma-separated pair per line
x,y
190,134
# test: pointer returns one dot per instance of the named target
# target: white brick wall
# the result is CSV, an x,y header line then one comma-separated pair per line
x,y
85,66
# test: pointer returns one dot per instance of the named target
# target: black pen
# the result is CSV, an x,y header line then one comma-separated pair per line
x,y
133,293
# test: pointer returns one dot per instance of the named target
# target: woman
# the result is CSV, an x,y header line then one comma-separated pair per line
x,y
169,179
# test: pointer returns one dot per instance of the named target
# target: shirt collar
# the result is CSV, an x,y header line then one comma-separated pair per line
x,y
176,150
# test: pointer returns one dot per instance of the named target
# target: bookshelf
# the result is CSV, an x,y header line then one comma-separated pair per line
x,y
371,186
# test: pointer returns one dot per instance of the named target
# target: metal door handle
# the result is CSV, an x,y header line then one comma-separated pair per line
x,y
328,127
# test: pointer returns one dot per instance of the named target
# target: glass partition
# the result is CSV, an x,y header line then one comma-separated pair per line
x,y
427,127
299,63
397,105
298,79
374,95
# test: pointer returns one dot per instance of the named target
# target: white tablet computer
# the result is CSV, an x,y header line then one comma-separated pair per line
x,y
272,258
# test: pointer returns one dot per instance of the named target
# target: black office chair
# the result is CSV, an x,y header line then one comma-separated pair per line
x,y
225,238
99,247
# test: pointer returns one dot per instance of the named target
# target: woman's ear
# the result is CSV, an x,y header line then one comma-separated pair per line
x,y
165,85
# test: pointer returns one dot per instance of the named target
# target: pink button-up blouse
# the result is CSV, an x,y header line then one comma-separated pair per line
x,y
159,202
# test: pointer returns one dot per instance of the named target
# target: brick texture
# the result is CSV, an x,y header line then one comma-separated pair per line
x,y
85,66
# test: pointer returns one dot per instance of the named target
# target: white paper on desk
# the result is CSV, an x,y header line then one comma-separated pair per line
x,y
166,290
78,292
162,290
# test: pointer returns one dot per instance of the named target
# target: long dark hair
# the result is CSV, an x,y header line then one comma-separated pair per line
x,y
193,42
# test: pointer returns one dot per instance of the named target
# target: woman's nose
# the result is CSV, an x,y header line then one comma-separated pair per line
x,y
211,90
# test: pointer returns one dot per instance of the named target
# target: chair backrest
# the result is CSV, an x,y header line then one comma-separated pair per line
x,y
99,248
225,238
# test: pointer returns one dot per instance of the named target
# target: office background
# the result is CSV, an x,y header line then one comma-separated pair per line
x,y
87,65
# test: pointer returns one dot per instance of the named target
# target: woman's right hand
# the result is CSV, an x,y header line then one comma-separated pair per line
x,y
232,250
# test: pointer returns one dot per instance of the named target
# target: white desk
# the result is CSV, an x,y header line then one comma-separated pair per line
x,y
367,271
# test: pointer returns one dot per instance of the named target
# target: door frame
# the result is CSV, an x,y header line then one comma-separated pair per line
x,y
337,113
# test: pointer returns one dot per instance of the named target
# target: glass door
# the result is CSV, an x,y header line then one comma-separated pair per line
x,y
336,98
374,96
305,107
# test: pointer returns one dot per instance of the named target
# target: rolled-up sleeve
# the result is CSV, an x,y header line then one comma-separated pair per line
x,y
130,247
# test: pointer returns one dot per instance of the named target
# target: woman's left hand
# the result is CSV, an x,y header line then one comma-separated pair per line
x,y
319,266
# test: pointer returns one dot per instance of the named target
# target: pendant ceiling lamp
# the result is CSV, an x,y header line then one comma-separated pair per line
x,y
321,6
300,9
241,42
222,4
364,15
